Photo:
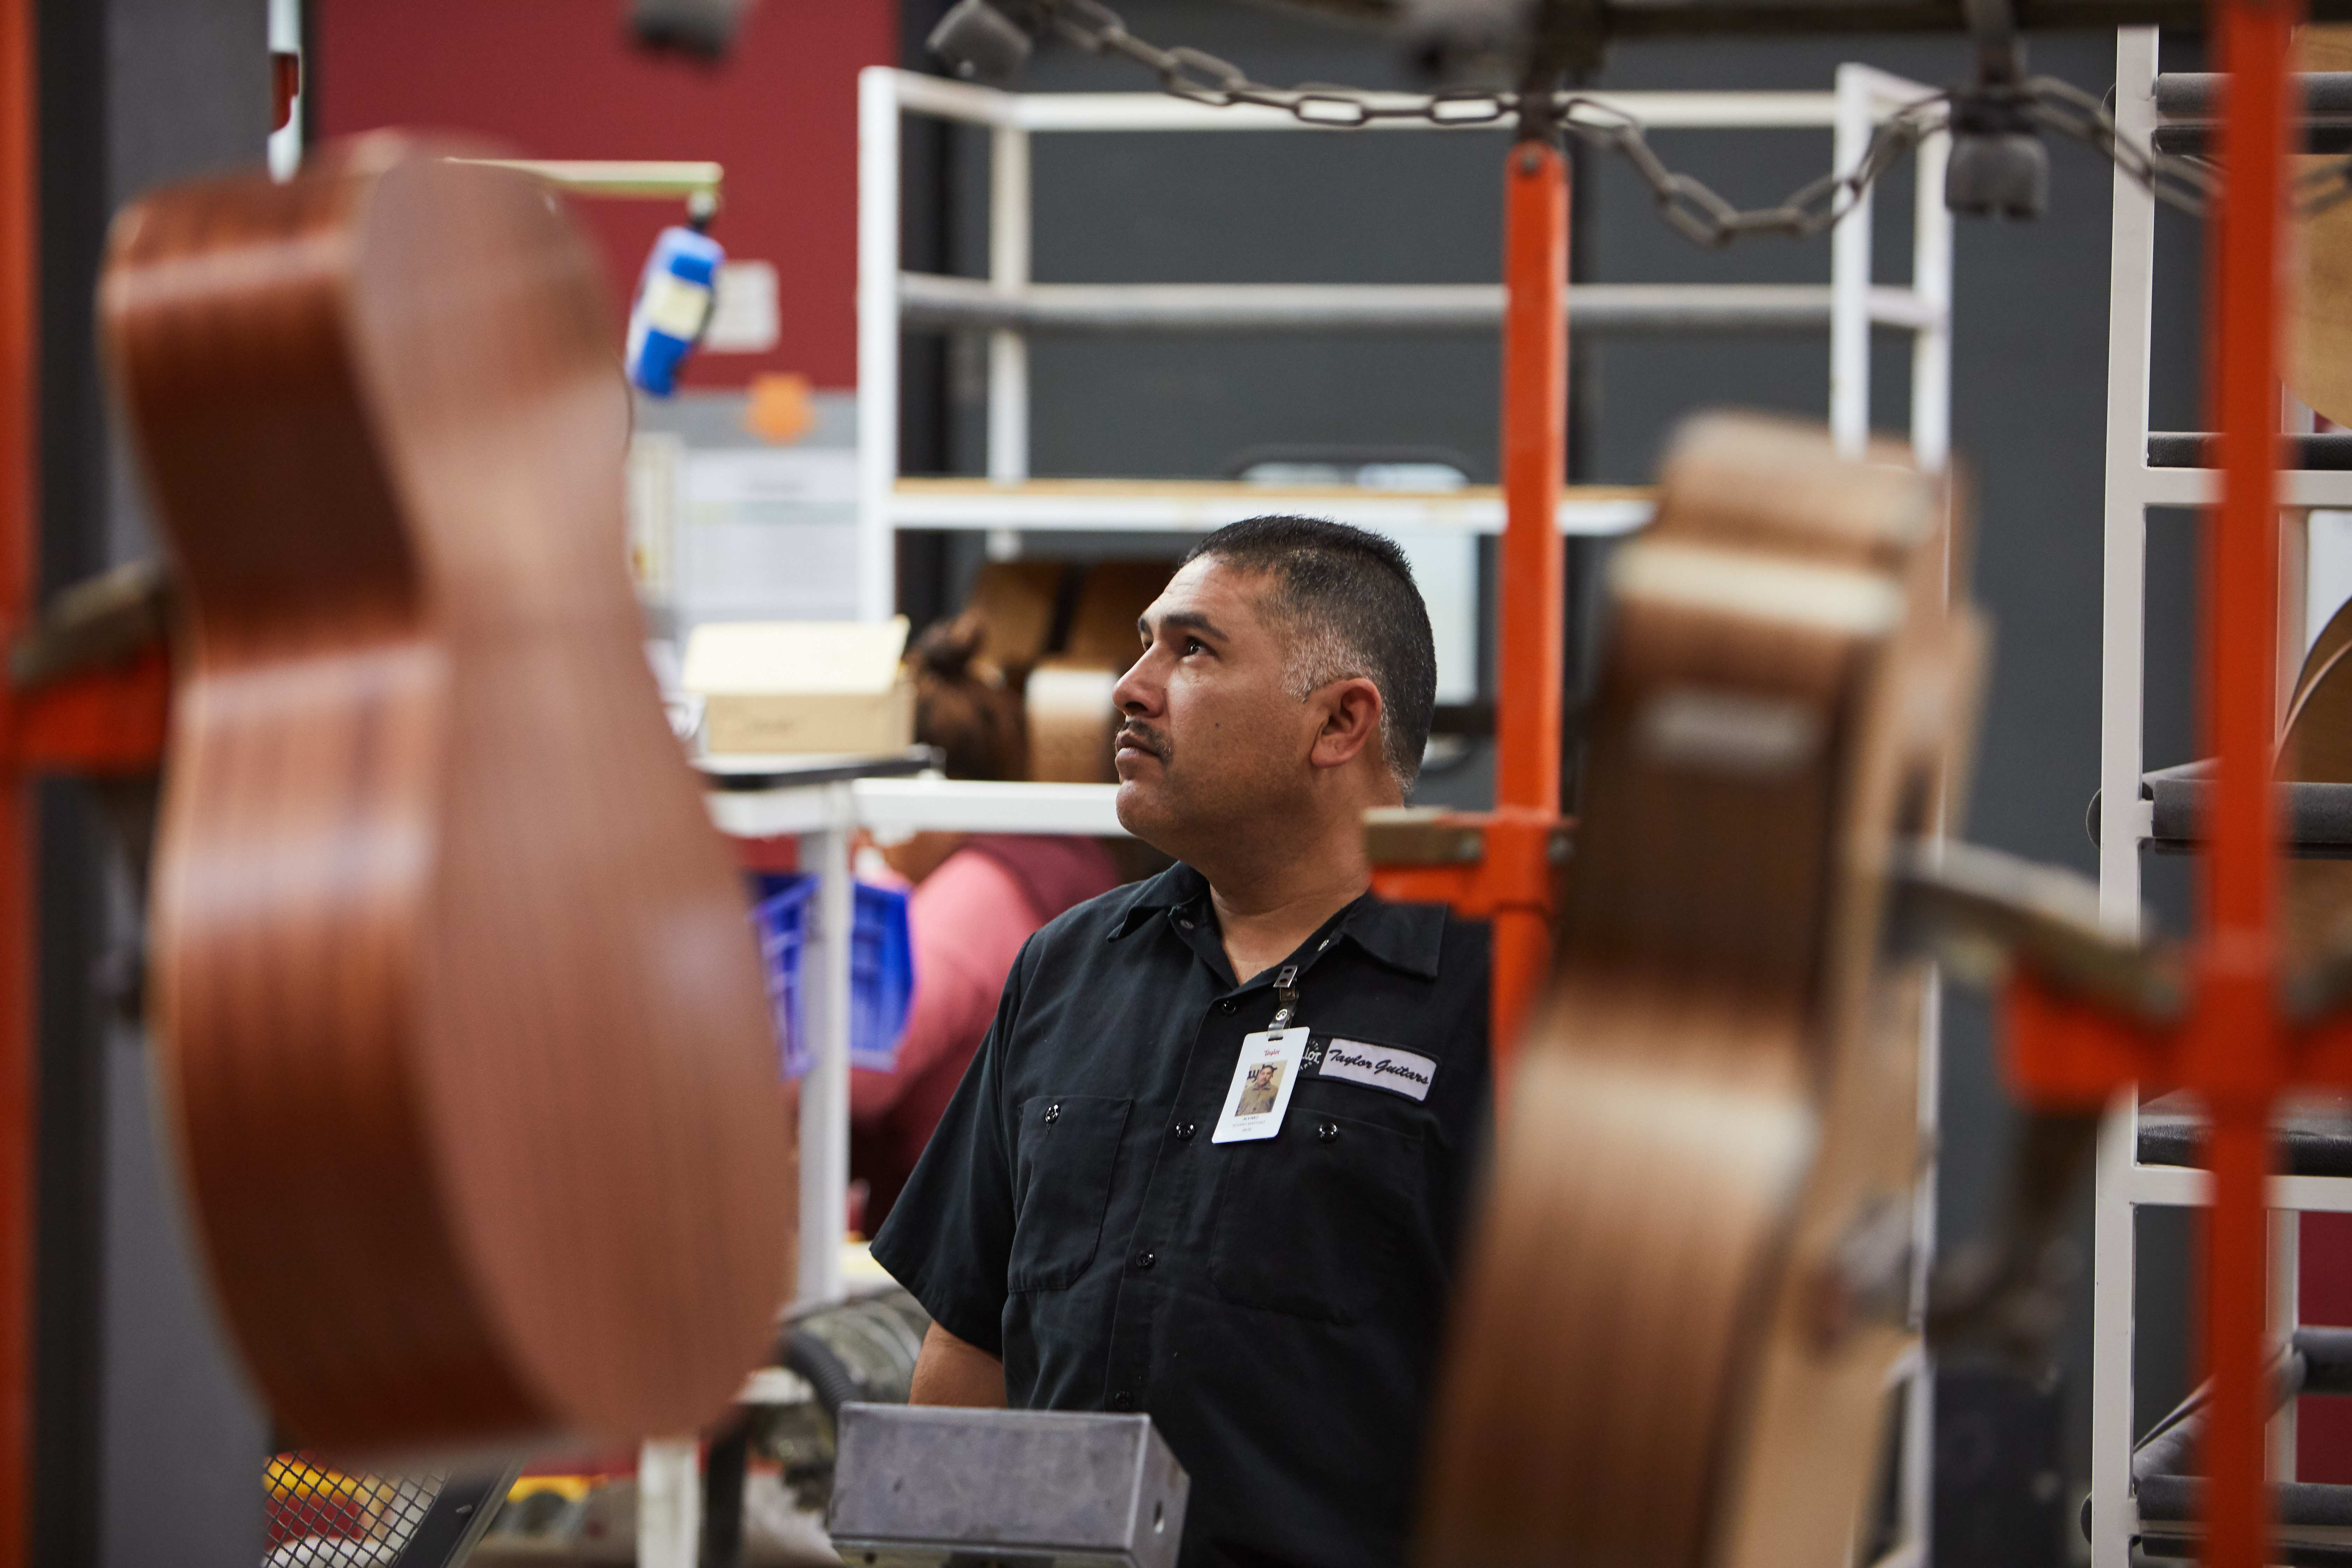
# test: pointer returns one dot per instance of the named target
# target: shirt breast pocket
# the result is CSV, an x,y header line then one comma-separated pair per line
x,y
1066,1150
1325,1219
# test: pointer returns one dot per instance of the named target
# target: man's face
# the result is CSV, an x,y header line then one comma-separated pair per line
x,y
1211,740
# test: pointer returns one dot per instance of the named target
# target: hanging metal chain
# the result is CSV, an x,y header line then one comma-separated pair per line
x,y
1685,202
2067,109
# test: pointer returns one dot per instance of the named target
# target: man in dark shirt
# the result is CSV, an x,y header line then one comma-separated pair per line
x,y
1107,1218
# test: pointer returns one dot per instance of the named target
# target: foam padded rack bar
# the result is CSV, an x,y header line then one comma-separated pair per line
x,y
2317,817
2330,452
2314,1520
931,1487
2192,101
2197,95
2305,1143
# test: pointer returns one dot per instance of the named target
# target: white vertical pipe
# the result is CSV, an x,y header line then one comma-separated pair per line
x,y
2297,418
1850,273
1931,280
2123,607
877,340
1918,1483
669,1504
2114,1517
824,1091
1008,268
285,145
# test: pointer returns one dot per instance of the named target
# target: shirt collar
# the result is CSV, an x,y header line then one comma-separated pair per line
x,y
1178,885
1409,937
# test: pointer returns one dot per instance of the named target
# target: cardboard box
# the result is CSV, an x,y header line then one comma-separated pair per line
x,y
1072,723
1015,601
1072,720
1116,594
802,686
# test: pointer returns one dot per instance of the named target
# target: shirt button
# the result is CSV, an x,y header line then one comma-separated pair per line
x,y
1227,1005
1054,1111
1328,1130
1144,1260
1122,1400
1185,921
1185,1131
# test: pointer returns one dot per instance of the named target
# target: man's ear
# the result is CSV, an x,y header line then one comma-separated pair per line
x,y
1351,711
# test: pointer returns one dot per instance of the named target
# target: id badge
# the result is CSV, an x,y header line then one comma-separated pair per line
x,y
1262,1080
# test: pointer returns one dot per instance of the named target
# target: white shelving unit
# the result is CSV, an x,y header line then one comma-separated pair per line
x,y
826,810
1009,305
2133,488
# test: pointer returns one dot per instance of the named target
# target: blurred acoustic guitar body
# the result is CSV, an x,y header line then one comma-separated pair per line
x,y
1693,1276
2316,747
2319,303
459,1016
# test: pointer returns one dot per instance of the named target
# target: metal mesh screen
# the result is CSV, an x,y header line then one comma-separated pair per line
x,y
320,1517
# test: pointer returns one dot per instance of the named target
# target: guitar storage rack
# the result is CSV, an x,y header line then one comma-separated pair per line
x,y
2144,1154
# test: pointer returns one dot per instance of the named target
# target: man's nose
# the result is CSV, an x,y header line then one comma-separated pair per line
x,y
1136,694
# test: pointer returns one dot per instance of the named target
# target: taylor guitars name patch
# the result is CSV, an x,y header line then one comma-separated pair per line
x,y
1408,1073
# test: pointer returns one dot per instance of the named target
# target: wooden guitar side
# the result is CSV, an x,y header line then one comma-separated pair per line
x,y
1691,1277
456,1002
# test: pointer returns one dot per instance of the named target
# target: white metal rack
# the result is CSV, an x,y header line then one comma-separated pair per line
x,y
826,810
1008,304
2133,487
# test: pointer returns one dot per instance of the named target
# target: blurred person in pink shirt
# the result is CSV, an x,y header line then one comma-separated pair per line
x,y
976,898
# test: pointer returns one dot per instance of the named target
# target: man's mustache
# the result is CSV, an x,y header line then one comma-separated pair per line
x,y
1145,736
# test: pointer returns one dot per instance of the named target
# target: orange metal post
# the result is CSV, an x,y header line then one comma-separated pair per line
x,y
16,535
2234,1052
1534,574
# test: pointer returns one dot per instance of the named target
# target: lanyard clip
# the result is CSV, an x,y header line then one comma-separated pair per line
x,y
1286,995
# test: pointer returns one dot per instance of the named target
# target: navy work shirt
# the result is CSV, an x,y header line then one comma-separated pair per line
x,y
1275,1305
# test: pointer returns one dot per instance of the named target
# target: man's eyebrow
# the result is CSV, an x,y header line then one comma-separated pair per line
x,y
1183,620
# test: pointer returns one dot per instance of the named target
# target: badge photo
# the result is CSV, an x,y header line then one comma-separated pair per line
x,y
1263,1079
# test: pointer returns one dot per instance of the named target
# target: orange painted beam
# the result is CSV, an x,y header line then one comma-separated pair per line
x,y
2063,1054
1534,572
2233,1051
100,722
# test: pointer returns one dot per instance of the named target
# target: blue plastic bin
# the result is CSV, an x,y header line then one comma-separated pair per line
x,y
881,969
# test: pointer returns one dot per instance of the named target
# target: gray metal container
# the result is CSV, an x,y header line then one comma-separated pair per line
x,y
928,1486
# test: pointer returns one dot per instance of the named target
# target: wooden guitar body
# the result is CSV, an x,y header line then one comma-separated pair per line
x,y
457,1006
2316,747
2319,300
1692,1276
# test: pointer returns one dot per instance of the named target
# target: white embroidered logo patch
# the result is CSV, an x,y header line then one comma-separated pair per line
x,y
1383,1067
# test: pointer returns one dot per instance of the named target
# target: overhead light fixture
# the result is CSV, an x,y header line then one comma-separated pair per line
x,y
980,42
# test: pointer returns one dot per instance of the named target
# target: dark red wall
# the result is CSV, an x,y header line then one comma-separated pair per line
x,y
555,78
2324,1426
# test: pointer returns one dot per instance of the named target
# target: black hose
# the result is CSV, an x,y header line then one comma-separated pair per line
x,y
811,1357
723,1469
